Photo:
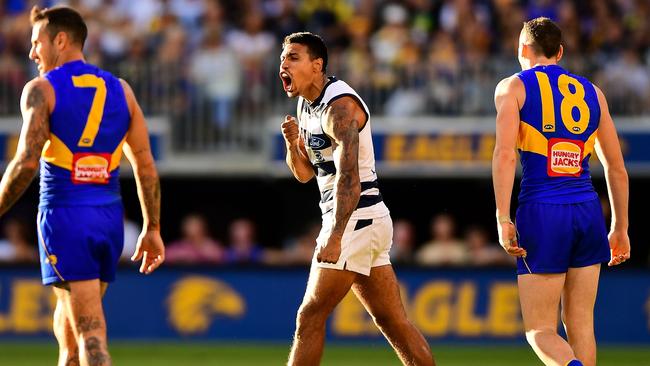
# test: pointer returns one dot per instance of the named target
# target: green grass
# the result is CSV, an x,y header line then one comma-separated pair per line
x,y
219,354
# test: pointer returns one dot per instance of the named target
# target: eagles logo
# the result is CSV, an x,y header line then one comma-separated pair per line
x,y
195,301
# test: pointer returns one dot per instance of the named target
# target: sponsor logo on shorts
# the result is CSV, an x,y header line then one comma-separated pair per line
x,y
565,157
91,168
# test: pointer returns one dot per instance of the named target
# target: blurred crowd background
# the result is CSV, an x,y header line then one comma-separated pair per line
x,y
210,67
217,60
445,247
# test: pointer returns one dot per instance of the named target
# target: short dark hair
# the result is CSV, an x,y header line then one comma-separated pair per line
x,y
315,45
61,19
545,36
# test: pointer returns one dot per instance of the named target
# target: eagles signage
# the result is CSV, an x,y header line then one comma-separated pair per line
x,y
463,146
260,304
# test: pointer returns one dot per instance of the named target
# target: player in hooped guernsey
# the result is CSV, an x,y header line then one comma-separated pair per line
x,y
556,120
320,150
331,140
77,119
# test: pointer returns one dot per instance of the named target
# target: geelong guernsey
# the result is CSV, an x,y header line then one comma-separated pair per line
x,y
323,153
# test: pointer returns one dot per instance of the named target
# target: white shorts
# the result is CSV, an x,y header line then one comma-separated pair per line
x,y
365,244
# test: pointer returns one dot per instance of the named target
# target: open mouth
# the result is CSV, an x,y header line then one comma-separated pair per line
x,y
287,82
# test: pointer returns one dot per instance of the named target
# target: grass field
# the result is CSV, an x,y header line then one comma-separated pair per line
x,y
168,354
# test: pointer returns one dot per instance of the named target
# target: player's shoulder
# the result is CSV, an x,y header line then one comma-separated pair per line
x,y
509,86
38,87
336,87
38,82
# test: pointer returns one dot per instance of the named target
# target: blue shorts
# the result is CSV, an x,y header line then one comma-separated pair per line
x,y
561,236
80,243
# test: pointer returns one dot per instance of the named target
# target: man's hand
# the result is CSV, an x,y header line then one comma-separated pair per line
x,y
290,130
508,238
150,249
330,252
619,244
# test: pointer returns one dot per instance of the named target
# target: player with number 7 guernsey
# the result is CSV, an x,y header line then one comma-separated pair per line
x,y
78,119
557,120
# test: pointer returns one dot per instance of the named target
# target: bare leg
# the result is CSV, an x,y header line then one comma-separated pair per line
x,y
379,293
325,289
86,317
578,301
540,299
68,350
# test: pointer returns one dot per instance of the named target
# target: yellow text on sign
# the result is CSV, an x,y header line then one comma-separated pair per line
x,y
444,148
443,308
30,308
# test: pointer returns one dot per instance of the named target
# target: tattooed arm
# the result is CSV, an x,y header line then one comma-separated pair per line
x,y
150,246
35,103
344,119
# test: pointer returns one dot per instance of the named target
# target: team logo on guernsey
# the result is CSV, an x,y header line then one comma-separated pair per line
x,y
91,168
316,142
565,157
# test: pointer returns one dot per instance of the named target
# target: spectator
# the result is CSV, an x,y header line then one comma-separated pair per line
x,y
215,69
196,245
252,45
17,246
403,242
444,248
298,250
482,252
243,247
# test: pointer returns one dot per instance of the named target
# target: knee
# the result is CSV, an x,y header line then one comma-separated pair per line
x,y
311,314
390,321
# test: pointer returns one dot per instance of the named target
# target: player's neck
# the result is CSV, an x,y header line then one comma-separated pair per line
x,y
66,57
315,88
543,61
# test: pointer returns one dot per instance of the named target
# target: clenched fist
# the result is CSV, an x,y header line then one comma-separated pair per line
x,y
290,131
329,252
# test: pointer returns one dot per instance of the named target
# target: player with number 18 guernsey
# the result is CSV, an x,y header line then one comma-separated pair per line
x,y
559,218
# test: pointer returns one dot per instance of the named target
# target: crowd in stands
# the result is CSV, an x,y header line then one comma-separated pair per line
x,y
405,57
197,245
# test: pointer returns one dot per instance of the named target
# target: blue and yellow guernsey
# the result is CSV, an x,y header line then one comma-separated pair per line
x,y
557,133
88,126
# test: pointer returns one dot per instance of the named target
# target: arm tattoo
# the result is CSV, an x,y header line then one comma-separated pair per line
x,y
24,166
150,196
347,187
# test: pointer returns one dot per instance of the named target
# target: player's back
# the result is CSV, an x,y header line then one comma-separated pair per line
x,y
557,133
89,123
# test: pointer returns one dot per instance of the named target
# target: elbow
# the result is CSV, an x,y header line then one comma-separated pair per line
x,y
303,178
504,156
146,167
617,171
356,192
355,188
27,166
